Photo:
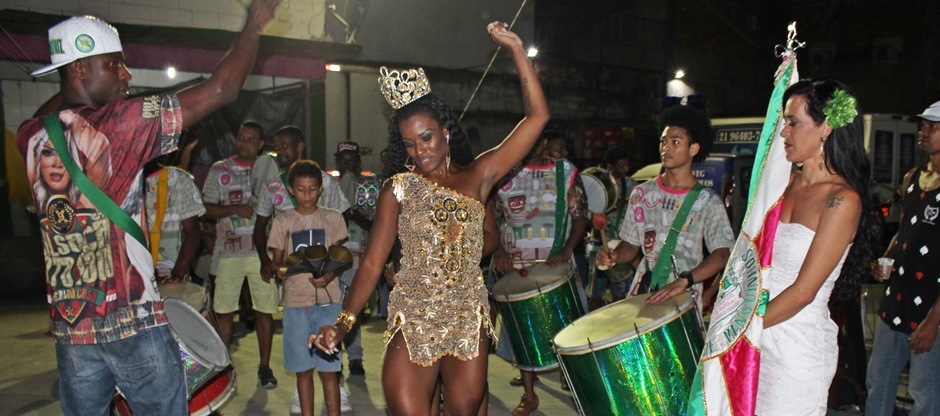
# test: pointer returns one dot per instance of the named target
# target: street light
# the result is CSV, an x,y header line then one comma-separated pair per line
x,y
532,52
333,68
679,74
171,72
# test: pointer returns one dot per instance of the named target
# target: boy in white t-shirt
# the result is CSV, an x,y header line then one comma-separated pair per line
x,y
309,303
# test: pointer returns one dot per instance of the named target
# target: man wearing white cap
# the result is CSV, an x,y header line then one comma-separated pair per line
x,y
85,165
910,310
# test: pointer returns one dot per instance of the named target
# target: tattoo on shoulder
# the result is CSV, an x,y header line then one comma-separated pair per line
x,y
836,201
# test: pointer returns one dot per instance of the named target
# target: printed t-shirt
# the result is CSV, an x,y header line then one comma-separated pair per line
x,y
915,282
99,280
183,201
229,183
529,202
362,192
650,214
291,232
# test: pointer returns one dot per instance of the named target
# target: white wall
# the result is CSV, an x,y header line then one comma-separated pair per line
x,y
298,19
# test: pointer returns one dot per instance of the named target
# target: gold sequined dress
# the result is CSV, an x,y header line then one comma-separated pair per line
x,y
439,301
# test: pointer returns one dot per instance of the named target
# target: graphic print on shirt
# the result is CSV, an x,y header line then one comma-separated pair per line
x,y
302,239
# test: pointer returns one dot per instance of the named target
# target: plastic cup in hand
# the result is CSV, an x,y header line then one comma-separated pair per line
x,y
885,264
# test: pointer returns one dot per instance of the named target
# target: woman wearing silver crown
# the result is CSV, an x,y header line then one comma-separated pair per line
x,y
438,323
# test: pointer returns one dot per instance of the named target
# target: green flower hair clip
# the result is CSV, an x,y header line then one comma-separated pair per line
x,y
841,109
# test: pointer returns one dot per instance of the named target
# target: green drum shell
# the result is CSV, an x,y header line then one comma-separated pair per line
x,y
534,317
645,371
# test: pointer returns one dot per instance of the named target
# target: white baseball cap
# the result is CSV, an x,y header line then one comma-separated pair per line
x,y
931,114
77,38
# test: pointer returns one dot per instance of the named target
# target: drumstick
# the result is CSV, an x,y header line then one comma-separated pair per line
x,y
600,223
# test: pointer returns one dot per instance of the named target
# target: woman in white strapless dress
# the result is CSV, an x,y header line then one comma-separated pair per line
x,y
825,222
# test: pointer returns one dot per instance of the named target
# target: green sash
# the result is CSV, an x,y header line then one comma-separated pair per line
x,y
283,177
561,213
663,266
104,203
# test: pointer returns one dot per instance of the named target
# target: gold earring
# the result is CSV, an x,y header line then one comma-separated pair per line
x,y
821,156
448,157
410,166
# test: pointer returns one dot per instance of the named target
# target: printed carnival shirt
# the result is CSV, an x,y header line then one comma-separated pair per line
x,y
99,279
651,210
183,201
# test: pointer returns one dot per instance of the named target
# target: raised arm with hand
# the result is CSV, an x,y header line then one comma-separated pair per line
x,y
223,85
496,162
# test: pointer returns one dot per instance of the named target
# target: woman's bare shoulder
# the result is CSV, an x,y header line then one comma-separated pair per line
x,y
841,195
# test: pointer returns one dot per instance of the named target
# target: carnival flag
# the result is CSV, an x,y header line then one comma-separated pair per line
x,y
726,379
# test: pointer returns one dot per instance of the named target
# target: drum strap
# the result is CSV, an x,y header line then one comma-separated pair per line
x,y
163,179
561,203
102,201
283,177
661,270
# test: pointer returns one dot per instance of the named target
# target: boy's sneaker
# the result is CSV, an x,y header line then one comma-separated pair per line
x,y
295,404
266,378
356,369
344,405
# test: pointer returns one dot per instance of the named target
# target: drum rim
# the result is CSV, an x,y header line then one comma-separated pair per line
x,y
508,298
537,369
608,204
220,400
623,337
600,183
176,302
202,291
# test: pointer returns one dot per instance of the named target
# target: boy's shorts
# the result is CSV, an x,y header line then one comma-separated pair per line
x,y
228,286
299,323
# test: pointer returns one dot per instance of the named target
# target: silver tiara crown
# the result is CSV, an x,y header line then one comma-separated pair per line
x,y
400,88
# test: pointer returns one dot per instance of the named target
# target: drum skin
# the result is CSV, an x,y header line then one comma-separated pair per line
x,y
534,308
631,358
191,293
600,189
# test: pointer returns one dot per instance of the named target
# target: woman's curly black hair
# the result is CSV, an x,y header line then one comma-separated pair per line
x,y
460,152
845,156
696,125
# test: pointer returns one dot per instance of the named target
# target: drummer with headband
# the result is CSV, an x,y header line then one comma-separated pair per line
x,y
670,218
544,208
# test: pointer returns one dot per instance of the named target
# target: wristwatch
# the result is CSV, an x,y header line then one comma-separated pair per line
x,y
687,275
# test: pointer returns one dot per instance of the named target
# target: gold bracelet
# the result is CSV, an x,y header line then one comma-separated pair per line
x,y
346,318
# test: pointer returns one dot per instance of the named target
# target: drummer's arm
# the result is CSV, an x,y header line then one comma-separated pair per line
x,y
191,237
711,265
623,253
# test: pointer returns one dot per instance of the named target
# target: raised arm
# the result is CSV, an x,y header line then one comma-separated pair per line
x,y
222,87
496,162
837,225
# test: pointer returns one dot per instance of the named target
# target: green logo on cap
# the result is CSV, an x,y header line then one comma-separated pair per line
x,y
55,47
84,43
